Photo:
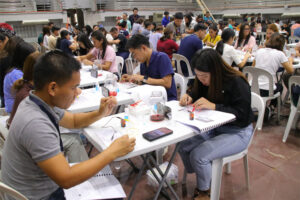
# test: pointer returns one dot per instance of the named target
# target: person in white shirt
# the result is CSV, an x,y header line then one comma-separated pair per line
x,y
271,59
228,52
46,34
277,23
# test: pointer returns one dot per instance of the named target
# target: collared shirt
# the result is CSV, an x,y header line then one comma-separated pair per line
x,y
52,42
165,21
32,138
209,39
177,30
188,47
159,67
133,18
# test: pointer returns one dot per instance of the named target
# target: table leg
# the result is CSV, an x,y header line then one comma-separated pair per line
x,y
135,169
164,175
137,178
163,192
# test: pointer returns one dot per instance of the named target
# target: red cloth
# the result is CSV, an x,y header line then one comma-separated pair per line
x,y
6,26
168,46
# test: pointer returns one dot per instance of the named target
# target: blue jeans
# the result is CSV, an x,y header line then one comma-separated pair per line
x,y
198,152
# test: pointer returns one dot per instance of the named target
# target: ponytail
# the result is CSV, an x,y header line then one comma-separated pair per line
x,y
220,47
227,34
18,84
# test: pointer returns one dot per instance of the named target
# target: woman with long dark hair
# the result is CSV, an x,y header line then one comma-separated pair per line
x,y
227,51
85,44
245,40
213,90
102,52
167,44
63,43
189,23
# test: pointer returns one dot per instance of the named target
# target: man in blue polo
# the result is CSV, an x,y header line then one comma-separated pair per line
x,y
156,67
191,44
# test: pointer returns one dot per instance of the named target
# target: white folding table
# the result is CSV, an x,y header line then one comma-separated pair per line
x,y
89,100
103,132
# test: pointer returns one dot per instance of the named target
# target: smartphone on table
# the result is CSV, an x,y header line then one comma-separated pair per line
x,y
157,133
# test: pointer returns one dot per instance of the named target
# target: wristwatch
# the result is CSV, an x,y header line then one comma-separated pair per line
x,y
145,79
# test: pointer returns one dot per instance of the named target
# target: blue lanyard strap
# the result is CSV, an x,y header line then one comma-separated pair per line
x,y
51,117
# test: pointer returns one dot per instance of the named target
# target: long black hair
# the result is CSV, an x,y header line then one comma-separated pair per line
x,y
209,60
99,36
88,29
82,37
226,35
63,35
241,35
189,17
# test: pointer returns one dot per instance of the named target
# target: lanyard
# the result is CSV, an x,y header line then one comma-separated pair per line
x,y
52,119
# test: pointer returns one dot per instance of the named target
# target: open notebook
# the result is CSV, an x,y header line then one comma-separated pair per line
x,y
204,120
103,185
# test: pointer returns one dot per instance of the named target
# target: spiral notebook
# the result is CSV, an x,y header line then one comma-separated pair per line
x,y
204,120
103,185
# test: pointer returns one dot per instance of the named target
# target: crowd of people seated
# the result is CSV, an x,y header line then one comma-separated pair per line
x,y
45,84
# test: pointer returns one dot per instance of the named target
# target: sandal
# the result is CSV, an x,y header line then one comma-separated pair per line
x,y
201,195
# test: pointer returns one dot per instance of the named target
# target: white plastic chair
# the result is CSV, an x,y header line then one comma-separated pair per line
x,y
217,165
120,64
179,80
255,74
5,189
180,58
261,36
295,109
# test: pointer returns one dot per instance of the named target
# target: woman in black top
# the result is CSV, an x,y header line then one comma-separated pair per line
x,y
217,87
85,44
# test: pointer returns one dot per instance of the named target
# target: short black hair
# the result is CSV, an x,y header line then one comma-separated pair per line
x,y
198,27
113,29
136,41
55,66
147,23
123,24
166,13
178,15
54,28
50,23
135,9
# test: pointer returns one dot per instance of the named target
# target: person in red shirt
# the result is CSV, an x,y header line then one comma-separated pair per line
x,y
167,44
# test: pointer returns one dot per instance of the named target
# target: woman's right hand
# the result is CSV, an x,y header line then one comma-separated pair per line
x,y
125,78
185,100
121,146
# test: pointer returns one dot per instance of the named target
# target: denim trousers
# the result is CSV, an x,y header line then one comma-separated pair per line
x,y
198,152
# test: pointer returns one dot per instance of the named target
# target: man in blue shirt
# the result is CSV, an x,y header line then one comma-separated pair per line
x,y
207,17
166,19
134,16
191,44
156,67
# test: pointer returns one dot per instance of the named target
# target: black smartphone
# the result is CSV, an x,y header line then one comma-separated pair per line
x,y
105,91
157,133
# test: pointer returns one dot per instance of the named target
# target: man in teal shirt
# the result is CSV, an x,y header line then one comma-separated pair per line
x,y
124,18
